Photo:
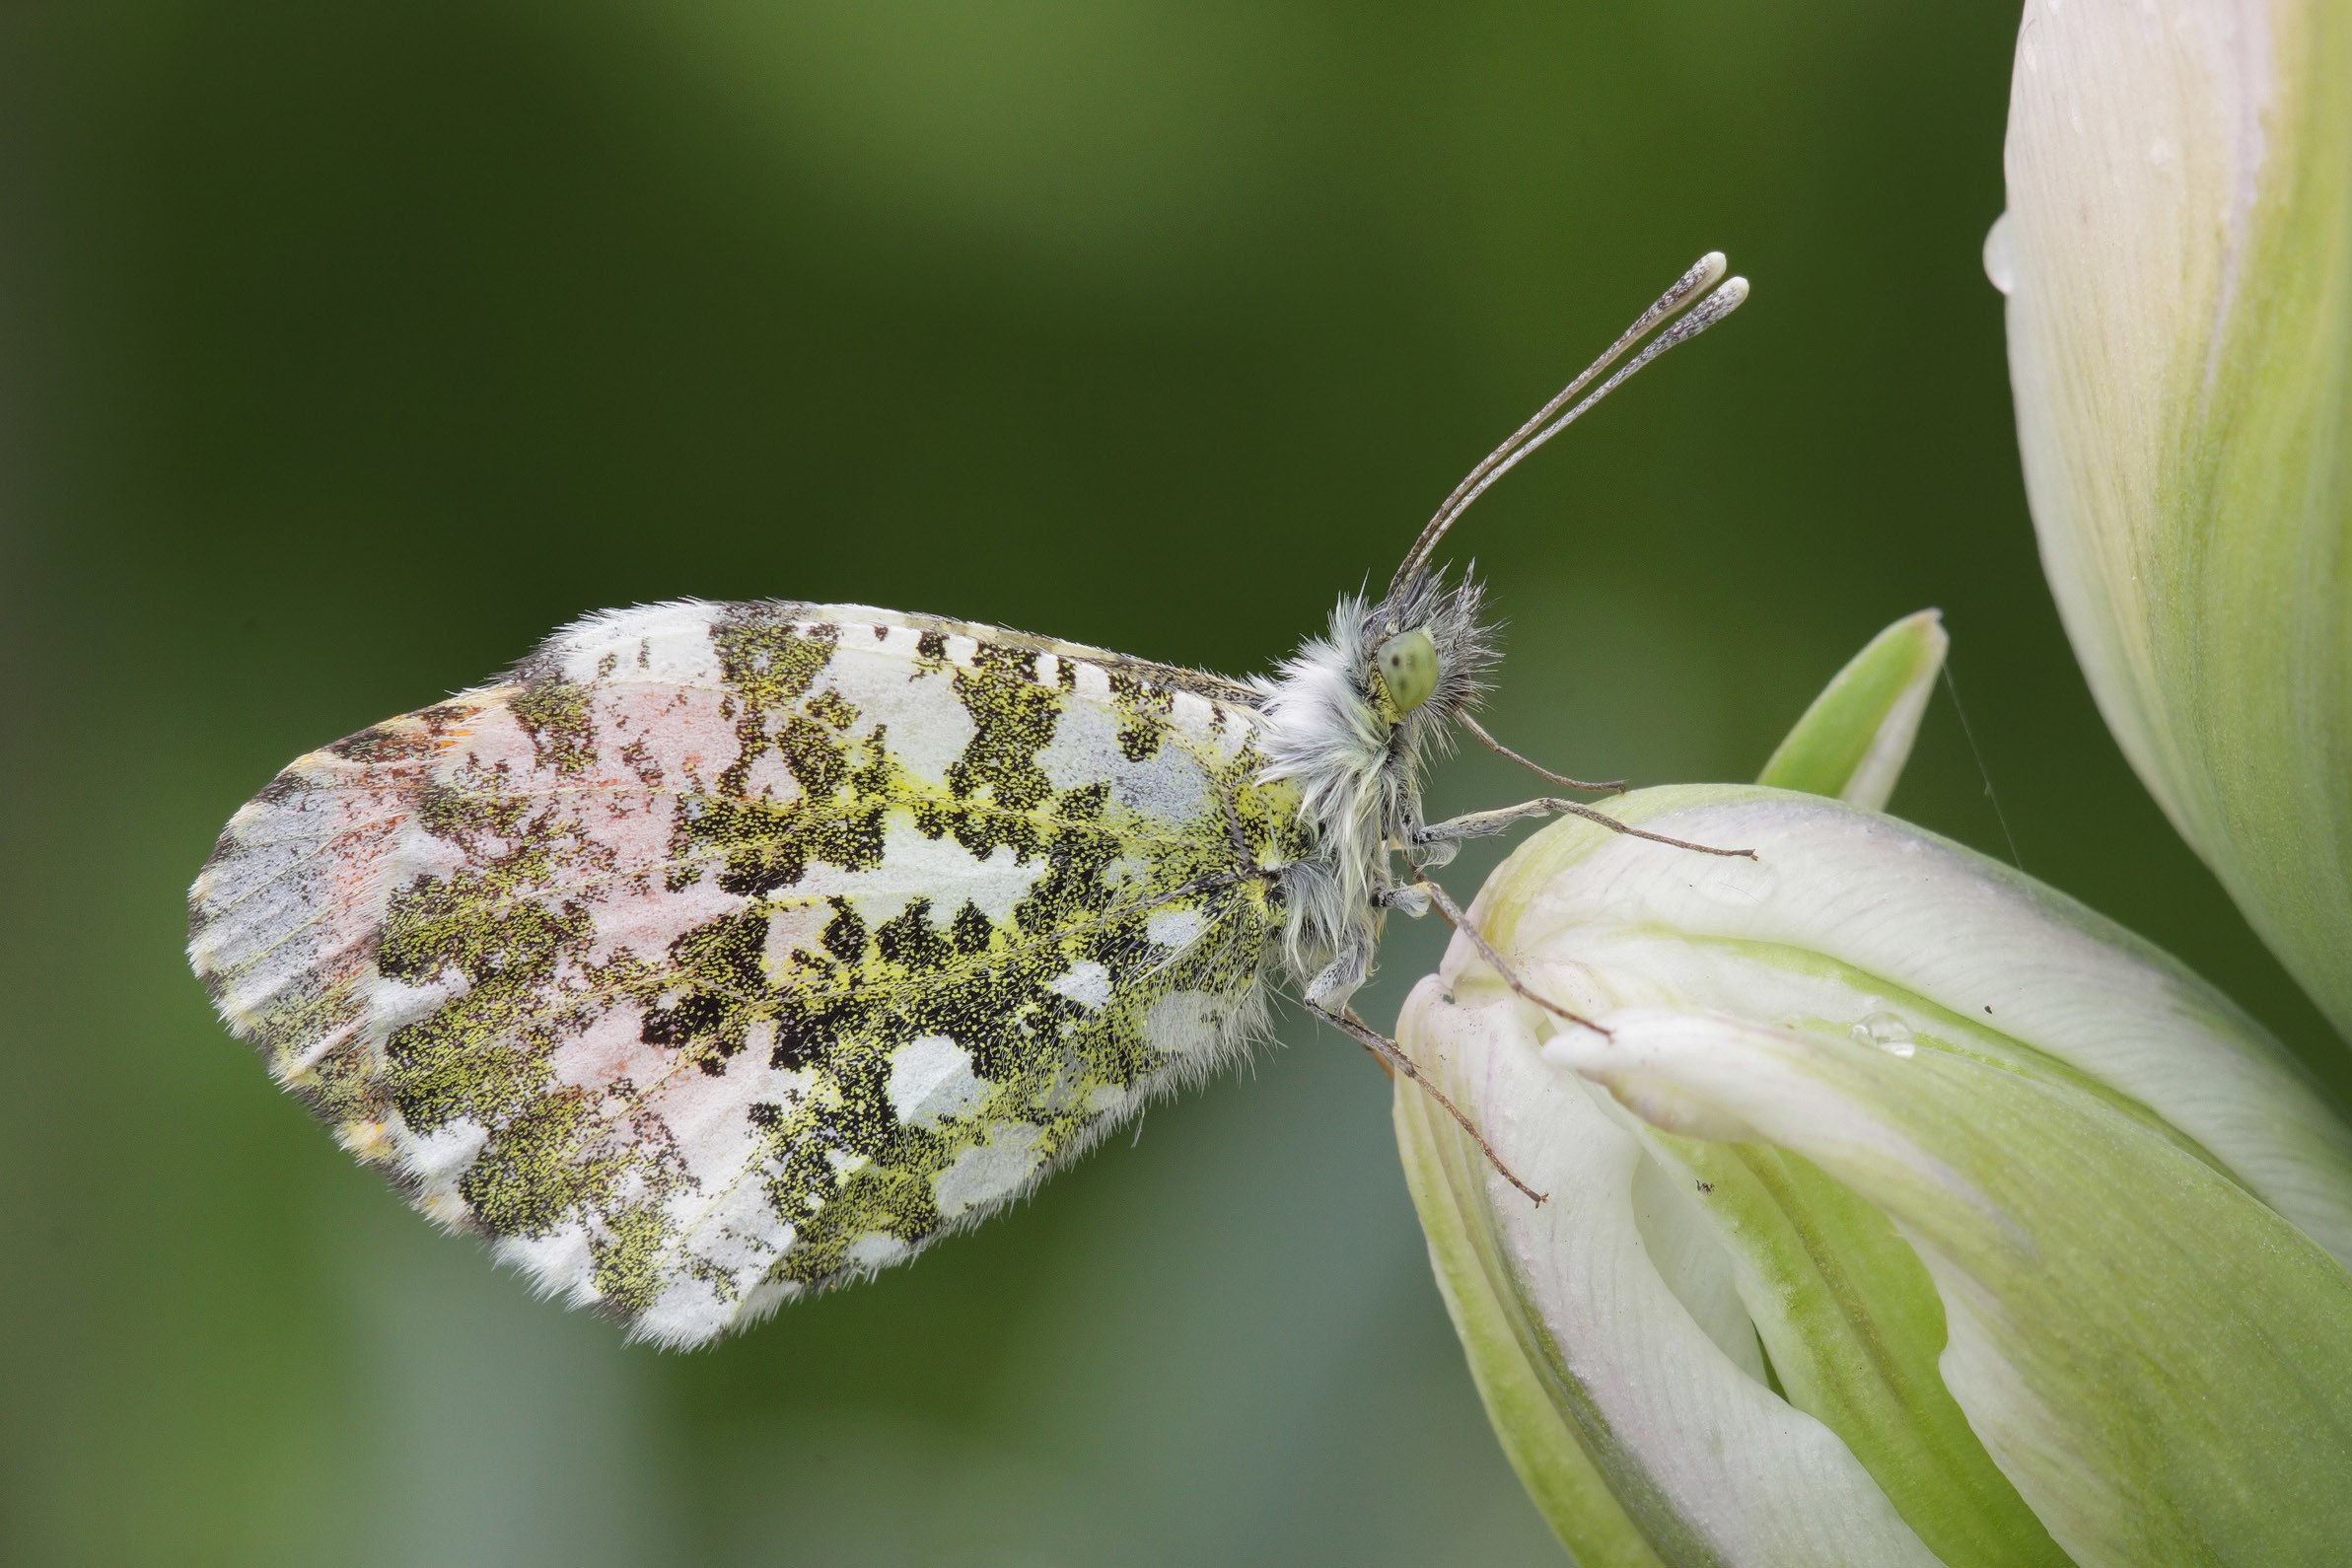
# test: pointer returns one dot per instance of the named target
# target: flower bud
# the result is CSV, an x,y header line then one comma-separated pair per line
x,y
1898,1208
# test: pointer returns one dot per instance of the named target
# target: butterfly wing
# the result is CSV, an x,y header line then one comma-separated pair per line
x,y
728,950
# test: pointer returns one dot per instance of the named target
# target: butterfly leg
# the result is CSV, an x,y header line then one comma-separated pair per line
x,y
1390,1054
1460,921
1480,824
1615,786
1330,990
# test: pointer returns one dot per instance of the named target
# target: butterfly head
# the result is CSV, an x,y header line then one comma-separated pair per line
x,y
1426,653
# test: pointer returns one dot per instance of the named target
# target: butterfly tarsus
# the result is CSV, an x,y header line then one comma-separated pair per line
x,y
1462,922
1615,786
1480,824
1388,1052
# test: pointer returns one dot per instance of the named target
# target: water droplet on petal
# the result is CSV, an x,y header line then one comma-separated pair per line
x,y
1887,1032
2000,253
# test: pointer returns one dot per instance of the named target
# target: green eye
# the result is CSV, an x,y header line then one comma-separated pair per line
x,y
1408,667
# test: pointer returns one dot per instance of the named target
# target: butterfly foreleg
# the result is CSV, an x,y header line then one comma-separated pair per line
x,y
1614,786
1460,921
1430,843
1391,1055
1337,981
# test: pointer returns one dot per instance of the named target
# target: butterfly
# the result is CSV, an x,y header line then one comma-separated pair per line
x,y
721,953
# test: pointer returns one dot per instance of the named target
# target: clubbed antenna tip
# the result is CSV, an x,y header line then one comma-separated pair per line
x,y
1687,321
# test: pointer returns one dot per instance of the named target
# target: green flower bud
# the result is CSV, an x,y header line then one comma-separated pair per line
x,y
1900,1209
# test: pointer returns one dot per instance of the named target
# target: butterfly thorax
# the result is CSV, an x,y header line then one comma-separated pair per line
x,y
1337,734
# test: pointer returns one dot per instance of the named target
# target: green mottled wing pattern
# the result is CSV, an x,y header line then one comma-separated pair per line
x,y
725,952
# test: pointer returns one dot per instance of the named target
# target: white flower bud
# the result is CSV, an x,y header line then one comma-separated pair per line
x,y
1900,1209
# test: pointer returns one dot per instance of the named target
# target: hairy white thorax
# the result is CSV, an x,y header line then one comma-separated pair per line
x,y
1332,732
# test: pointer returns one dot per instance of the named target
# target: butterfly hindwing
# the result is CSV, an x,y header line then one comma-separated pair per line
x,y
725,952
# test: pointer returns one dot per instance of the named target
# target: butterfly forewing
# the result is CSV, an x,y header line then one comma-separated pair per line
x,y
728,950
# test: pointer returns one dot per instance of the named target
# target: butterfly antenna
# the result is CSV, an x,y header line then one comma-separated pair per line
x,y
1547,421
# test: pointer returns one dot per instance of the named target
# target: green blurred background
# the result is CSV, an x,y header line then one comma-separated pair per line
x,y
345,350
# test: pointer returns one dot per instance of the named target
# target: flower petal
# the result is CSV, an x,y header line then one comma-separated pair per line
x,y
1843,903
1855,1330
1855,739
2178,256
2159,1361
1579,1338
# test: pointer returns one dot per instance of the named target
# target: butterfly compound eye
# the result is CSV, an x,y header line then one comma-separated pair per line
x,y
1408,667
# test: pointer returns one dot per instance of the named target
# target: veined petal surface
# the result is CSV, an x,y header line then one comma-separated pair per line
x,y
2126,1195
2177,257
